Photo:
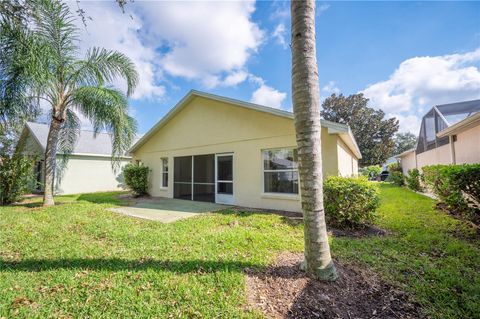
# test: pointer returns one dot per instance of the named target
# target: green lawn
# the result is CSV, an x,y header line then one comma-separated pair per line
x,y
79,260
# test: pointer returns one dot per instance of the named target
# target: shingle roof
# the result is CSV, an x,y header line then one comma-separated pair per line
x,y
87,143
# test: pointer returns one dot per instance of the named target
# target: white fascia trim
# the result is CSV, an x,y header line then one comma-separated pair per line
x,y
96,155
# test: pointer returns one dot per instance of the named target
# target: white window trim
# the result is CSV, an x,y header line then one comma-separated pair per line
x,y
273,195
163,172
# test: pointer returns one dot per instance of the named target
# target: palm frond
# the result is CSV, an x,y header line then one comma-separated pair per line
x,y
103,66
67,139
69,133
54,24
107,109
22,71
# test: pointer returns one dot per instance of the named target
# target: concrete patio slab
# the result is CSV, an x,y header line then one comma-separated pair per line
x,y
167,210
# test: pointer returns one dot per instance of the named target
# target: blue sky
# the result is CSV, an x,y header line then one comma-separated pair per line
x,y
404,56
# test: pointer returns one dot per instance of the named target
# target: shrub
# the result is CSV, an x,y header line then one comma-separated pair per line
x,y
413,180
371,172
458,186
136,178
15,177
395,174
350,202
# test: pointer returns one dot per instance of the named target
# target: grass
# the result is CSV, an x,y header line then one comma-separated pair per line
x,y
78,259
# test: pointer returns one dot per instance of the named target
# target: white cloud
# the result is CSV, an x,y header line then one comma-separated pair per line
x,y
427,81
111,29
408,123
204,41
266,95
279,35
420,83
322,8
331,88
208,42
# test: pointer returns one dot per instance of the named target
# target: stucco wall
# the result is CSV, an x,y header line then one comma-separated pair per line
x,y
86,174
408,162
205,127
467,146
347,162
439,155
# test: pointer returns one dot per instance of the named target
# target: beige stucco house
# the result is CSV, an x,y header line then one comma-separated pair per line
x,y
88,169
449,134
217,149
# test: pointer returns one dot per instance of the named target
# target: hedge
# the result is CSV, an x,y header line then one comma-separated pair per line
x,y
350,202
458,186
413,180
15,178
136,178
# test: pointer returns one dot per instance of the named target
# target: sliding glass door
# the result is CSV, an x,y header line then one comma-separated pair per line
x,y
204,178
194,178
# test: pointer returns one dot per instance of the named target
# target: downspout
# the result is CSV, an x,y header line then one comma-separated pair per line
x,y
452,149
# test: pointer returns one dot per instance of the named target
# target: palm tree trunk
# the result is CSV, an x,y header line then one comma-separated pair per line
x,y
51,161
306,109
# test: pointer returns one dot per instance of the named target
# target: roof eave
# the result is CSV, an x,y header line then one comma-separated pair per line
x,y
461,126
332,126
405,153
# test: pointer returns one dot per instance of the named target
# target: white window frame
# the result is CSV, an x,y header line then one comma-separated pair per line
x,y
164,160
275,194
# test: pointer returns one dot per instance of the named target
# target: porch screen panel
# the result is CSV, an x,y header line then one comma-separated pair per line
x,y
182,177
204,178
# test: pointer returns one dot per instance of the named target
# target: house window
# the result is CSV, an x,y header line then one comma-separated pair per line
x,y
164,172
280,171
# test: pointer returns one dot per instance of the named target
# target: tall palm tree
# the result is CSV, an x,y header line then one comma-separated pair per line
x,y
54,74
306,109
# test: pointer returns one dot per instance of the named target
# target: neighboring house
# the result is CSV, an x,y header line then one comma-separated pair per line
x,y
449,134
217,149
88,169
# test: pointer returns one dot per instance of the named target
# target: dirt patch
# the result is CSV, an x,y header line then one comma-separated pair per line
x,y
284,291
367,231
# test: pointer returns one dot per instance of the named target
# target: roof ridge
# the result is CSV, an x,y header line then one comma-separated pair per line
x,y
81,130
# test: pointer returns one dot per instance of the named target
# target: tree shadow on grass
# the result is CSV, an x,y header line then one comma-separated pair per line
x,y
247,212
118,264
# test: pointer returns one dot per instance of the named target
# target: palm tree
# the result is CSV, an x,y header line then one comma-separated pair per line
x,y
51,72
306,109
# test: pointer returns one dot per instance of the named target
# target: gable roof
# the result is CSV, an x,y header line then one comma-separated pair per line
x,y
333,128
88,143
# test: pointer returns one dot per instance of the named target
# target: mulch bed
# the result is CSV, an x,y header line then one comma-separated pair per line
x,y
284,291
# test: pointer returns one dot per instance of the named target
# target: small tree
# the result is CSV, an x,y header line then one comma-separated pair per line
x,y
371,172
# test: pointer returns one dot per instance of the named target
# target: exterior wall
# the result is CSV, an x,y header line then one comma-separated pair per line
x,y
439,155
87,174
206,126
347,162
408,162
30,146
467,146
